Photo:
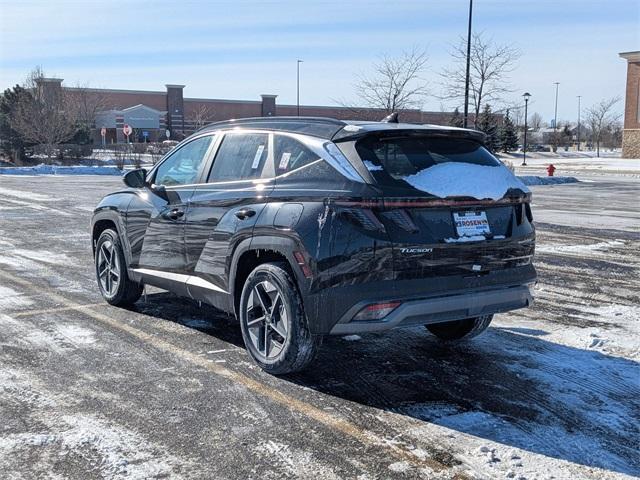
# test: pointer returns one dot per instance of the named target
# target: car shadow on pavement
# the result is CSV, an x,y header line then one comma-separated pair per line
x,y
508,386
505,386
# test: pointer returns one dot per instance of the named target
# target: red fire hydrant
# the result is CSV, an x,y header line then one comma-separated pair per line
x,y
550,170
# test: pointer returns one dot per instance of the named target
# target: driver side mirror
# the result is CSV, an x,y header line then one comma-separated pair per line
x,y
135,178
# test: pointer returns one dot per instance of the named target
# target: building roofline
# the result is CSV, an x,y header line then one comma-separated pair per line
x,y
630,56
117,90
220,100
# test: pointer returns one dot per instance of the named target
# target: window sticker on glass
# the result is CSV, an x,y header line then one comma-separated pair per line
x,y
256,159
284,160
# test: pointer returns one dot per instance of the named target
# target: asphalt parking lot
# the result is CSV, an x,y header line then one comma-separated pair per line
x,y
166,390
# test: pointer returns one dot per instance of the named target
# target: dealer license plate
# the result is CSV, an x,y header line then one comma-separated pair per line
x,y
471,224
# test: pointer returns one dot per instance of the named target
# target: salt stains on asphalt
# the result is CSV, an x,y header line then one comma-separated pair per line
x,y
579,249
98,446
13,300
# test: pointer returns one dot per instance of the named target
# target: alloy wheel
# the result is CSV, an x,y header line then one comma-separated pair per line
x,y
267,320
108,267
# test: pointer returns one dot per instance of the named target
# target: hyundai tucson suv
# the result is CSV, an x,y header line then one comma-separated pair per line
x,y
306,227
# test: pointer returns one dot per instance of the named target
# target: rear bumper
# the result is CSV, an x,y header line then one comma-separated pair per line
x,y
438,309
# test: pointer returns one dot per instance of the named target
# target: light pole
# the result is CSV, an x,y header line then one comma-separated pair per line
x,y
578,146
526,96
298,87
555,114
466,81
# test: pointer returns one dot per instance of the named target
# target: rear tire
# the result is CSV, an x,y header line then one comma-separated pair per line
x,y
274,326
460,329
111,272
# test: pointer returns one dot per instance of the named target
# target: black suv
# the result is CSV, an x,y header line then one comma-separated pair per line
x,y
305,227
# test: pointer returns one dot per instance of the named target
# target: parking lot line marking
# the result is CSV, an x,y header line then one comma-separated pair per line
x,y
362,435
29,313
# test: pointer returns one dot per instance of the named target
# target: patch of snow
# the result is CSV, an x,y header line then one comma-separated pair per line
x,y
77,334
535,180
43,169
399,467
9,298
592,247
36,197
352,338
465,180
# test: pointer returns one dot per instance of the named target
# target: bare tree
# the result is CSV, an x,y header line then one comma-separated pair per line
x,y
490,65
86,103
201,116
536,122
45,117
602,118
395,83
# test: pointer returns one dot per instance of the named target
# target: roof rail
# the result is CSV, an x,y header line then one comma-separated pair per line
x,y
318,126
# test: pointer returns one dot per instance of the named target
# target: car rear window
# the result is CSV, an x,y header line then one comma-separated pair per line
x,y
400,157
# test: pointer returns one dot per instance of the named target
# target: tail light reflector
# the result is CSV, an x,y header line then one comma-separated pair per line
x,y
375,311
302,263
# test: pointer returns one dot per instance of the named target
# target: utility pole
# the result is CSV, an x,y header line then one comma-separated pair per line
x,y
466,81
298,87
578,146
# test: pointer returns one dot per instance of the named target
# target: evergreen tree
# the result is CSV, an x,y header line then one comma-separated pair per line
x,y
487,123
11,142
456,119
508,135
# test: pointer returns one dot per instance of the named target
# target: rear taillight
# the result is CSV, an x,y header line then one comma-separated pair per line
x,y
375,311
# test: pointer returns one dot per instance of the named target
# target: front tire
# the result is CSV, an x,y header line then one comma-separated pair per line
x,y
111,271
274,326
460,329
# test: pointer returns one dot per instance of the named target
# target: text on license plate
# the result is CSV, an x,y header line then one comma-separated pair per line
x,y
469,224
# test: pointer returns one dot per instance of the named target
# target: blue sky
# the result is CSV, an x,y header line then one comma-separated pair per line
x,y
240,49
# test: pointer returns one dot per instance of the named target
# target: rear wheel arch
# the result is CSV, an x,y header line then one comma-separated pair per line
x,y
256,251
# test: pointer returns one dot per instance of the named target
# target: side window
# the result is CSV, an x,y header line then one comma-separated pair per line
x,y
291,154
183,166
241,156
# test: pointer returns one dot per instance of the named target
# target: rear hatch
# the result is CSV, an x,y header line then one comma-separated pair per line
x,y
449,206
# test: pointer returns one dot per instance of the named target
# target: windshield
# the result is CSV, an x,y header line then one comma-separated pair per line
x,y
400,157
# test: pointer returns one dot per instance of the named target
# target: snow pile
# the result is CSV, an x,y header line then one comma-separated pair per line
x,y
43,169
465,180
534,180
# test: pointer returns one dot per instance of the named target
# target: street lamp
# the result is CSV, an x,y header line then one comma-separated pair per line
x,y
555,114
578,146
526,96
298,87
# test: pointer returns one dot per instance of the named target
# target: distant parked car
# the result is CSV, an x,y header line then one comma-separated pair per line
x,y
306,227
539,148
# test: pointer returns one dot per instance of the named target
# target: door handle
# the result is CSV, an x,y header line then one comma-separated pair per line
x,y
245,213
173,214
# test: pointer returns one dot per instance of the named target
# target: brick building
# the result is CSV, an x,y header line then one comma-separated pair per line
x,y
152,113
631,132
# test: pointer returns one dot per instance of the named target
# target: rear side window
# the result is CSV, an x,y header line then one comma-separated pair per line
x,y
241,156
290,154
400,157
